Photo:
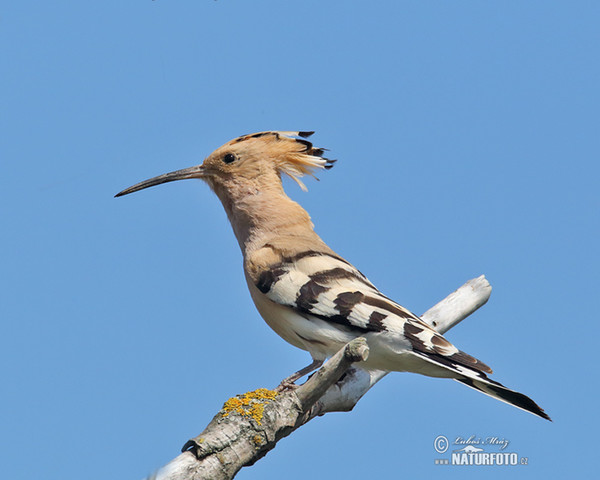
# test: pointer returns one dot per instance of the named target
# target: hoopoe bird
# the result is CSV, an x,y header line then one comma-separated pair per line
x,y
308,294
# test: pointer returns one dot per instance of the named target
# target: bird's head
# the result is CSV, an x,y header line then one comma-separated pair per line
x,y
253,161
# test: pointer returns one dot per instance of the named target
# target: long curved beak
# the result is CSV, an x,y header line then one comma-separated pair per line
x,y
192,172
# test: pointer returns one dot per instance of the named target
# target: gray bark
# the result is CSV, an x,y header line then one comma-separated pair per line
x,y
233,440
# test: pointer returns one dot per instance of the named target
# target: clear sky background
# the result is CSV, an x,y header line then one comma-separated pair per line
x,y
466,135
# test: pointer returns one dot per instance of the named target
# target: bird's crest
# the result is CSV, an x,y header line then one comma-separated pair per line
x,y
291,152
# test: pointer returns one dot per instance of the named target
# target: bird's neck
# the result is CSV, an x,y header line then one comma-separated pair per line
x,y
261,216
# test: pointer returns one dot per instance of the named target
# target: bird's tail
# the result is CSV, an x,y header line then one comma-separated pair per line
x,y
506,395
465,373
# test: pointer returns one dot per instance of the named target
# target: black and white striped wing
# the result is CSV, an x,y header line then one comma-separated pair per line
x,y
331,289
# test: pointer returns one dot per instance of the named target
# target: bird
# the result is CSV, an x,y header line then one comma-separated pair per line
x,y
308,294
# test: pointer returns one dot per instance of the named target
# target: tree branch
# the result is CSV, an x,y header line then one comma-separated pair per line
x,y
250,425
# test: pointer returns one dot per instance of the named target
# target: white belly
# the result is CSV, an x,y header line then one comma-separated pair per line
x,y
306,332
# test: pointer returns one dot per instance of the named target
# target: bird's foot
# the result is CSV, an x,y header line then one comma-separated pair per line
x,y
288,382
286,386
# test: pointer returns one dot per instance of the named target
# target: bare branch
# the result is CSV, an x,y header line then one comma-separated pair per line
x,y
458,305
237,438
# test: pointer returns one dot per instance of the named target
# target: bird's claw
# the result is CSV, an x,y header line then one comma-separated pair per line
x,y
286,386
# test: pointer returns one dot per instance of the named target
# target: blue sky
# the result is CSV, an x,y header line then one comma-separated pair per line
x,y
466,135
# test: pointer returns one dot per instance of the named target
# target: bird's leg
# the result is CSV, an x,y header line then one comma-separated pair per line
x,y
288,382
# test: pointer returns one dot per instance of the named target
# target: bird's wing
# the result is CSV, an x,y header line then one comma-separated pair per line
x,y
323,285
328,287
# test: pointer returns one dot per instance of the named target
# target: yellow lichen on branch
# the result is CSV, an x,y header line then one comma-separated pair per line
x,y
251,404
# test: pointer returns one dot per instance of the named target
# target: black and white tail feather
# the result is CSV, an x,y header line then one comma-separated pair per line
x,y
479,381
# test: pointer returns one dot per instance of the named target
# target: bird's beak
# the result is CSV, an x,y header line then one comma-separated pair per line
x,y
192,172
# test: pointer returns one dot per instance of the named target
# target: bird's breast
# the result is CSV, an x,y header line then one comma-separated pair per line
x,y
320,338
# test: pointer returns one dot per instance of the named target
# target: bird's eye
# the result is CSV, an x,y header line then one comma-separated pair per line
x,y
229,158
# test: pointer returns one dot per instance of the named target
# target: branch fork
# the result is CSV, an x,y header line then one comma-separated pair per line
x,y
230,442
